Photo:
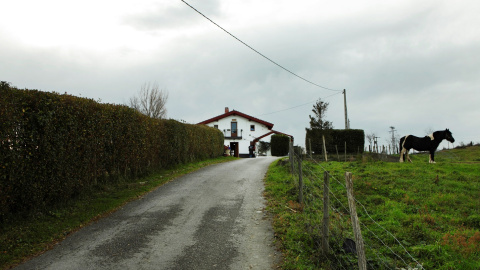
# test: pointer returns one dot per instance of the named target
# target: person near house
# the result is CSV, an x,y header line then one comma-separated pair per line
x,y
251,148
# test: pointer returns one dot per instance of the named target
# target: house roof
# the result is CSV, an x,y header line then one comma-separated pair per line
x,y
270,133
233,112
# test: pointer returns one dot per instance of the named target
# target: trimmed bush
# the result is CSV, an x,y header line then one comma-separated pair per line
x,y
355,139
279,145
52,147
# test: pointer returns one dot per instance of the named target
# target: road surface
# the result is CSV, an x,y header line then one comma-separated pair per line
x,y
210,219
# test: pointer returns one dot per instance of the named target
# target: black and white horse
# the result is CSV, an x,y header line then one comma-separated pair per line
x,y
427,143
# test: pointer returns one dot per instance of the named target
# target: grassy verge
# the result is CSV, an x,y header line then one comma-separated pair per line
x,y
24,237
432,209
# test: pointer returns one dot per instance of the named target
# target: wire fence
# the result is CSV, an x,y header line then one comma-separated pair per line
x,y
336,241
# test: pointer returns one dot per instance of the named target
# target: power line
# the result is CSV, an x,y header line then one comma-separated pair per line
x,y
251,48
287,109
294,107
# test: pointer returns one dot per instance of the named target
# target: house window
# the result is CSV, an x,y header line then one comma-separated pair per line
x,y
252,127
215,126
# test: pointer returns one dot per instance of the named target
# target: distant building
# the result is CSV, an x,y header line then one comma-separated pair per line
x,y
242,131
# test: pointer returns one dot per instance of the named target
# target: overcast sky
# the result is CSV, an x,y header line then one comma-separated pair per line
x,y
414,65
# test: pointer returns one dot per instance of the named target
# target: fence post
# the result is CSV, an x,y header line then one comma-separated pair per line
x,y
326,201
345,151
338,157
300,182
324,149
362,262
291,157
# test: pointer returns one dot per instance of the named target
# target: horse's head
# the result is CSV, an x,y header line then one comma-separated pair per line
x,y
448,136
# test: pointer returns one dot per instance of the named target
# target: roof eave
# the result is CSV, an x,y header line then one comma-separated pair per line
x,y
233,112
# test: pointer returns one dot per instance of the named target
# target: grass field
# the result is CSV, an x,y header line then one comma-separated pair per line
x,y
22,237
417,213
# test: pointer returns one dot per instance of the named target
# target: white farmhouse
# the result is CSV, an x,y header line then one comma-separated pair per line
x,y
242,131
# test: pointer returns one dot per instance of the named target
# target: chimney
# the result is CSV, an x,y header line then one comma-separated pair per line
x,y
226,110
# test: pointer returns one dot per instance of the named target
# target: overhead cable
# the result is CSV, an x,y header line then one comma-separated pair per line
x,y
304,104
275,63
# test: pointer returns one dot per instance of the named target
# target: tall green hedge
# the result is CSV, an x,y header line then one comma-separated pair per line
x,y
54,146
335,139
279,145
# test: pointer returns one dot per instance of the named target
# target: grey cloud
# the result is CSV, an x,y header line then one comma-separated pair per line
x,y
180,15
390,66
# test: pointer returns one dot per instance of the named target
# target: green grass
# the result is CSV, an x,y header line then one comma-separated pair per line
x,y
432,209
27,236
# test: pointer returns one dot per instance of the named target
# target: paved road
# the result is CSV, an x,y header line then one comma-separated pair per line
x,y
209,219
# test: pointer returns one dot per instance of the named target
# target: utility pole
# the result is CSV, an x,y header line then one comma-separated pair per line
x,y
393,138
347,126
375,144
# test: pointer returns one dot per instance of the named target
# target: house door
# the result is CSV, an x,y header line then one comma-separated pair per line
x,y
234,149
234,129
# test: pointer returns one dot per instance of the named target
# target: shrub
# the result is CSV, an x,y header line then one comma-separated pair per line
x,y
52,147
335,139
279,145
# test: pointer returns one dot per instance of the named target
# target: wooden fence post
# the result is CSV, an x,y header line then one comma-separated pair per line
x,y
326,201
345,151
324,149
362,262
291,157
338,157
300,182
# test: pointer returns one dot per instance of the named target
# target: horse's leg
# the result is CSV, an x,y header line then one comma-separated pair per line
x,y
432,160
402,146
408,156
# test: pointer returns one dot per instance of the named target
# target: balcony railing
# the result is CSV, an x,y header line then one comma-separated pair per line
x,y
228,134
233,137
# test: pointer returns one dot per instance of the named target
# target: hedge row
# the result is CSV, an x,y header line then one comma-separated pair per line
x,y
54,146
335,139
279,144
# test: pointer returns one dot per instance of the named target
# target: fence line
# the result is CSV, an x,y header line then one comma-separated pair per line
x,y
308,197
347,211
366,212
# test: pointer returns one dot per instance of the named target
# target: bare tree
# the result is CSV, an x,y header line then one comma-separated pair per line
x,y
151,101
429,131
370,138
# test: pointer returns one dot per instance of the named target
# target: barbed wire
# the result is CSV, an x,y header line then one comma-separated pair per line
x,y
313,174
376,223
